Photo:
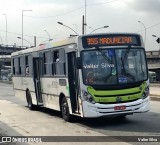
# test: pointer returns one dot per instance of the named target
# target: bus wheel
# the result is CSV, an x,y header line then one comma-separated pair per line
x,y
29,100
65,109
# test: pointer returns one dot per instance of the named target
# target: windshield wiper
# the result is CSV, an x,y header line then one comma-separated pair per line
x,y
141,64
126,54
123,63
103,54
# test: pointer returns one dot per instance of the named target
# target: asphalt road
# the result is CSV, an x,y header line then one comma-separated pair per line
x,y
145,124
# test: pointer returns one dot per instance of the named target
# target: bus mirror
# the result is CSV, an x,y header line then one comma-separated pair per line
x,y
78,63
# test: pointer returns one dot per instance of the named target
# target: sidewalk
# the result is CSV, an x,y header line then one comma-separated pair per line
x,y
155,92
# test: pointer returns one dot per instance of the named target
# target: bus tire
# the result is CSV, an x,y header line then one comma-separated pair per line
x,y
29,100
65,110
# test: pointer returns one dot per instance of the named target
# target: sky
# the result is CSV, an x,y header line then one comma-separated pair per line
x,y
119,15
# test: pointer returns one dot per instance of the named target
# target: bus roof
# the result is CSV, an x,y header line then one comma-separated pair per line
x,y
70,40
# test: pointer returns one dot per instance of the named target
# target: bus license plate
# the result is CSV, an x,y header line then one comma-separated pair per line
x,y
119,107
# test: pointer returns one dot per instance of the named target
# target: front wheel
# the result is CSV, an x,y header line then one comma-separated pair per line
x,y
65,110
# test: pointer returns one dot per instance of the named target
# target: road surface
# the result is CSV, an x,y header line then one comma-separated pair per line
x,y
17,120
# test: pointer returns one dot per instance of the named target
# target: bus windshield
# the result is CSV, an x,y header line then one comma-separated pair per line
x,y
113,66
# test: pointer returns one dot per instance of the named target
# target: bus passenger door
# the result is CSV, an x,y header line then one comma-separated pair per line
x,y
73,81
37,63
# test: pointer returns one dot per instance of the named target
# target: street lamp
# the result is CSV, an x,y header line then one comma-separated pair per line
x,y
158,40
75,26
67,27
26,41
22,25
45,41
99,28
48,35
145,31
91,28
6,28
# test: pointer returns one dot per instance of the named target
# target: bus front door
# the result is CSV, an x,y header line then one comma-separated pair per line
x,y
73,81
36,77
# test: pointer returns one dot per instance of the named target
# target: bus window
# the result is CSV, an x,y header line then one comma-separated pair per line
x,y
47,60
13,66
56,56
22,65
16,65
59,62
19,66
27,65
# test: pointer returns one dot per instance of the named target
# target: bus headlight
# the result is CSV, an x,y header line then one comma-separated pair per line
x,y
145,93
88,97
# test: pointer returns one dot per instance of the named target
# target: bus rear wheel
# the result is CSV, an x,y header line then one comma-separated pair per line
x,y
65,109
29,100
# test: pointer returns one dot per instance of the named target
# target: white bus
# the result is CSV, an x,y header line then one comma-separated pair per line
x,y
91,76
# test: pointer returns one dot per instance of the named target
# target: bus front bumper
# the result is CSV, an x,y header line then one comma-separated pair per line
x,y
99,110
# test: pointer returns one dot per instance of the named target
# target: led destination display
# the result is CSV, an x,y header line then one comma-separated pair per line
x,y
110,40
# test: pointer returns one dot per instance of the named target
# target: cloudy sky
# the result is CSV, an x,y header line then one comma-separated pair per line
x,y
119,15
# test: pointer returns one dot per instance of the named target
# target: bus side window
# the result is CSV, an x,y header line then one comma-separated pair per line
x,y
59,62
44,62
13,66
19,67
27,70
56,56
30,66
26,65
47,60
22,65
16,65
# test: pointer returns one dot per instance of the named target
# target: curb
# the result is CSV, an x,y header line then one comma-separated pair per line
x,y
155,97
6,82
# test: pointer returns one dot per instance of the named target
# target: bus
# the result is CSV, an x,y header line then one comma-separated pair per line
x,y
92,75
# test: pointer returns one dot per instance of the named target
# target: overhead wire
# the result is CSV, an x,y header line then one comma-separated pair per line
x,y
59,15
149,27
66,13
72,12
18,34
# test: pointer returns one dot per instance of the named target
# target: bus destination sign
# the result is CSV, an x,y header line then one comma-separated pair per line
x,y
110,40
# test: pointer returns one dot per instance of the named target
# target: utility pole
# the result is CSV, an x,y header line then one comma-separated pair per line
x,y
83,25
34,41
85,18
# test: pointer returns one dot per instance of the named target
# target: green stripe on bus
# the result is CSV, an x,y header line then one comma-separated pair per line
x,y
67,88
113,94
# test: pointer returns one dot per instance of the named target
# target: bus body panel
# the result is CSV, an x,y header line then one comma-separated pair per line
x,y
21,84
50,91
99,110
